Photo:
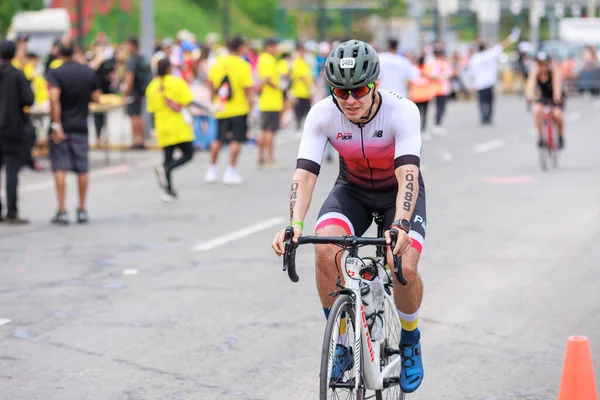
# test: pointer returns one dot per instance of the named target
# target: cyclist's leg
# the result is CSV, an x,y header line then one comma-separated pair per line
x,y
342,214
538,113
558,117
408,298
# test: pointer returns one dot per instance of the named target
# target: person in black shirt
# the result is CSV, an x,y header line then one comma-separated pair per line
x,y
134,93
104,68
15,93
52,56
72,87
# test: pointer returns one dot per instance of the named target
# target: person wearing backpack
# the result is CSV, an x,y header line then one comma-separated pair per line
x,y
232,82
137,77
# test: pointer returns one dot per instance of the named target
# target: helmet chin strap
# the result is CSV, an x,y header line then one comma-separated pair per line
x,y
366,117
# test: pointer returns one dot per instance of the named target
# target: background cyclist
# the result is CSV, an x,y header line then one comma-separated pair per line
x,y
544,86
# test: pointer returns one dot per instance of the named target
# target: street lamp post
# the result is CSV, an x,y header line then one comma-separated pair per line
x,y
147,48
488,14
536,12
226,12
79,7
322,21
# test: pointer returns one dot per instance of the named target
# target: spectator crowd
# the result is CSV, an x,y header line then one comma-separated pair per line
x,y
203,95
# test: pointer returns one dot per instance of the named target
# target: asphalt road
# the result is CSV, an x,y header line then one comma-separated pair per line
x,y
187,301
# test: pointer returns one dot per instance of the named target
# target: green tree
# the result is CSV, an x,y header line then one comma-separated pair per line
x,y
262,12
8,8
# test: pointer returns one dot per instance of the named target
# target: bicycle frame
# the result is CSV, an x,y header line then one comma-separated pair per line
x,y
549,121
363,344
374,379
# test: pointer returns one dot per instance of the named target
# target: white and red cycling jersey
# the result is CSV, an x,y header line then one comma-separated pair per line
x,y
369,153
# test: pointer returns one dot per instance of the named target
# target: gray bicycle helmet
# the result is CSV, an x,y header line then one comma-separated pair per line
x,y
352,64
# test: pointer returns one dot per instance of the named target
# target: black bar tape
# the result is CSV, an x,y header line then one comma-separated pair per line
x,y
407,159
308,165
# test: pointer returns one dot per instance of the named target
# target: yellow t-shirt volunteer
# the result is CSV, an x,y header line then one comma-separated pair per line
x,y
57,62
239,72
301,69
270,99
171,127
283,67
39,84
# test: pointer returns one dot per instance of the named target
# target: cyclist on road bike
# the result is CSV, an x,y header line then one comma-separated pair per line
x,y
377,135
544,86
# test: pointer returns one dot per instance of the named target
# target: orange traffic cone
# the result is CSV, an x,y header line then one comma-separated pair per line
x,y
578,382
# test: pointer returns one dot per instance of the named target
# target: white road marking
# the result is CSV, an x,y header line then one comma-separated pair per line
x,y
574,116
446,156
4,321
130,272
238,234
487,146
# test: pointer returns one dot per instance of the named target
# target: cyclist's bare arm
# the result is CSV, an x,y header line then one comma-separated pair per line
x,y
408,190
530,87
557,84
303,185
310,155
407,162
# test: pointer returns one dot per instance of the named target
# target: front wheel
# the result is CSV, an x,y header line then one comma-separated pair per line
x,y
340,331
390,349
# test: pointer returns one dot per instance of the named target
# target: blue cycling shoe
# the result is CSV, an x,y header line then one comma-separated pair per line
x,y
411,374
342,362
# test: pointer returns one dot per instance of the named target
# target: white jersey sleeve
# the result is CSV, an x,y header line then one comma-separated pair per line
x,y
314,138
407,121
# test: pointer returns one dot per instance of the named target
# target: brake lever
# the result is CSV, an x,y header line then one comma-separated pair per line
x,y
289,255
289,232
397,259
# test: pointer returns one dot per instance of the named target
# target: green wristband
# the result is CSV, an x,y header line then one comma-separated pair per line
x,y
299,223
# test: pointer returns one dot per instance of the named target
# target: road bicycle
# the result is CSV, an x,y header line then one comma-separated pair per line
x,y
375,344
549,150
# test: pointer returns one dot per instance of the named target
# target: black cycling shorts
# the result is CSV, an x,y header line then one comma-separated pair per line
x,y
548,101
352,208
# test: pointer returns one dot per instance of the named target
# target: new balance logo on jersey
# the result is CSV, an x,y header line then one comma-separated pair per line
x,y
378,134
344,136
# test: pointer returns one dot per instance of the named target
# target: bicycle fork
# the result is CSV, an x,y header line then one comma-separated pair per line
x,y
363,344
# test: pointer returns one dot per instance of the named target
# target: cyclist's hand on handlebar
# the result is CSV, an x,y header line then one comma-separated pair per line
x,y
403,243
278,244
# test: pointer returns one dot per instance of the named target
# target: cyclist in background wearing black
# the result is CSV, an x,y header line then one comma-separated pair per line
x,y
544,87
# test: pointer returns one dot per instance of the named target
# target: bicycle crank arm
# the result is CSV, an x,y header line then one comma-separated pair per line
x,y
392,381
343,385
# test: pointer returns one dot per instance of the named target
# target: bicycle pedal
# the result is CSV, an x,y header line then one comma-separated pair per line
x,y
394,380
